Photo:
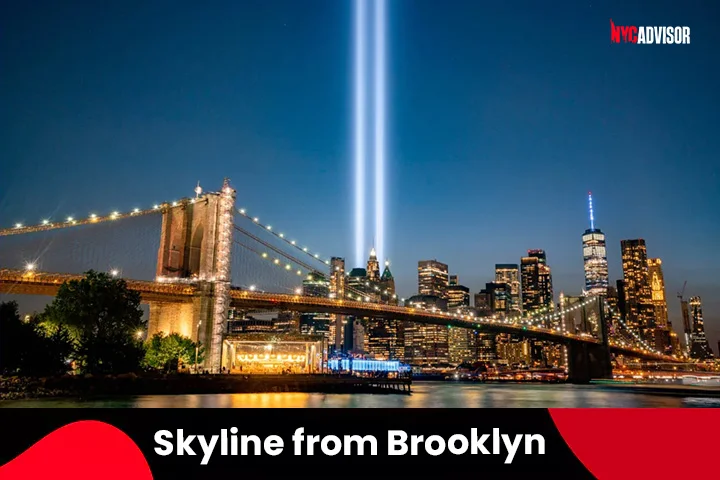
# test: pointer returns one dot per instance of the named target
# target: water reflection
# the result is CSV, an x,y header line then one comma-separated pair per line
x,y
426,395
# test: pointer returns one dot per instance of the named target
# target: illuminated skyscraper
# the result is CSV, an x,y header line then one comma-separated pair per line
x,y
458,296
337,277
373,267
537,289
432,278
453,280
337,290
700,348
509,274
639,309
657,292
594,257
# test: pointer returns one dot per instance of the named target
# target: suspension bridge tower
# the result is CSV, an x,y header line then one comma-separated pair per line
x,y
195,247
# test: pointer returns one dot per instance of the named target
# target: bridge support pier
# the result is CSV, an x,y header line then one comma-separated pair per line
x,y
587,362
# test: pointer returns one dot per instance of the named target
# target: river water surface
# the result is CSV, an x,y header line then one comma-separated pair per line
x,y
425,395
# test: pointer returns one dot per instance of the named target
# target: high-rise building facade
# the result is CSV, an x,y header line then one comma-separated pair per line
x,y
639,309
432,278
700,348
458,296
594,258
509,273
337,277
536,279
373,267
337,290
662,328
453,280
426,344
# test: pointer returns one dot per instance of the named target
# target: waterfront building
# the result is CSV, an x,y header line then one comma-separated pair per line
x,y
700,348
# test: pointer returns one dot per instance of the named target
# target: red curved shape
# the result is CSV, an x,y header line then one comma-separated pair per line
x,y
80,451
623,444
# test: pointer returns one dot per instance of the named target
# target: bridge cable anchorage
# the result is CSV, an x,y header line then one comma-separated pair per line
x,y
282,236
72,221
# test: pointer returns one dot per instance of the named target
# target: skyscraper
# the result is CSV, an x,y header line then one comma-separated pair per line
x,y
700,348
453,280
537,289
432,278
657,292
509,273
594,257
337,290
337,277
458,296
373,267
387,285
639,309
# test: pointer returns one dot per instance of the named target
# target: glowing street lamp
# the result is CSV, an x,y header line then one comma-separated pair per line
x,y
30,267
252,288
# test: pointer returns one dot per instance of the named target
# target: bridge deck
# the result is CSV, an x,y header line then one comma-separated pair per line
x,y
36,283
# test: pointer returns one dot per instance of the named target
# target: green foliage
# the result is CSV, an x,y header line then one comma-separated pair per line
x,y
30,348
103,316
167,351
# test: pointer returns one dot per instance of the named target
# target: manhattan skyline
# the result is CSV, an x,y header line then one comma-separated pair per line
x,y
498,126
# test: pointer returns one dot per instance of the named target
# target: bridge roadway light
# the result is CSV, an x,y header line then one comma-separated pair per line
x,y
298,290
252,288
45,222
30,267
18,225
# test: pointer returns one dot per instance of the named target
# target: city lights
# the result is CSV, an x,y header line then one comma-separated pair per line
x,y
30,267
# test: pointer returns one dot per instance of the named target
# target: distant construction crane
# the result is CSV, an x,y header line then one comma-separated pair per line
x,y
685,316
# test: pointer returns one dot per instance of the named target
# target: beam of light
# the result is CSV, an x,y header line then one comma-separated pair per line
x,y
590,206
379,137
359,127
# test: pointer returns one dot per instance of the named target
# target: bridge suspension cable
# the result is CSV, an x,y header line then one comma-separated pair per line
x,y
72,221
348,290
275,249
282,236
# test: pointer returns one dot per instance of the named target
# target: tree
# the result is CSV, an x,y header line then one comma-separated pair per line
x,y
104,316
30,348
166,352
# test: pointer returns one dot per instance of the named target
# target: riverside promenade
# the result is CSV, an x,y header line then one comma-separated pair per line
x,y
94,386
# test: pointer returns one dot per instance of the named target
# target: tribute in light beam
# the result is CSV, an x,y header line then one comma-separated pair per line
x,y
379,90
359,127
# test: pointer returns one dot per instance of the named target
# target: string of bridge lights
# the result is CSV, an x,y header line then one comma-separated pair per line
x,y
637,337
281,236
49,224
274,261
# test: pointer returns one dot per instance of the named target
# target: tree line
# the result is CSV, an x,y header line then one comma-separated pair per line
x,y
93,326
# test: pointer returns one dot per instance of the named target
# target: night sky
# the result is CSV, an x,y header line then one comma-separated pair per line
x,y
501,117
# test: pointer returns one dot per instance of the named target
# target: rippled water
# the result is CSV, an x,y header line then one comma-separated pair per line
x,y
425,395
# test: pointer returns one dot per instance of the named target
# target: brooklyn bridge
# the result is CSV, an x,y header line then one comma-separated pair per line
x,y
193,289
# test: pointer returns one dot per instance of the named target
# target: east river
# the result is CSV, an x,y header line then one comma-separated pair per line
x,y
425,395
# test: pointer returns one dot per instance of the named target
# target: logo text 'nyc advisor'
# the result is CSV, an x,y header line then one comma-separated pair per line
x,y
649,35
